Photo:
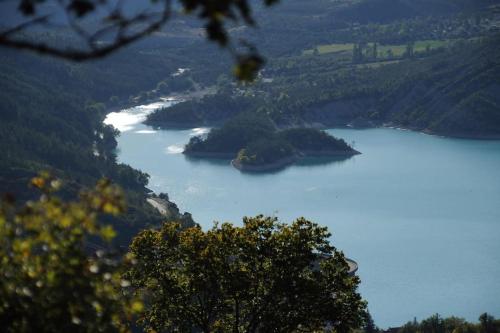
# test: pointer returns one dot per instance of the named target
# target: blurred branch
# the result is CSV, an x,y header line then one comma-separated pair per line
x,y
122,30
153,22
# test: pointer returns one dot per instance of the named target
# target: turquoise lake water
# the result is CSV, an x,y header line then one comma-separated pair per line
x,y
420,214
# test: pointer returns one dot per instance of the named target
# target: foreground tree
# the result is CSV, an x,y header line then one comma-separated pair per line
x,y
369,324
50,279
262,277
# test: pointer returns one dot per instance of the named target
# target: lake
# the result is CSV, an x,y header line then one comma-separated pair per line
x,y
419,213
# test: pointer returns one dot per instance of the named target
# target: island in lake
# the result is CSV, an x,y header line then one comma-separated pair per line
x,y
255,144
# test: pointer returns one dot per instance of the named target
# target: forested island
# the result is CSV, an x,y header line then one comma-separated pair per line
x,y
254,143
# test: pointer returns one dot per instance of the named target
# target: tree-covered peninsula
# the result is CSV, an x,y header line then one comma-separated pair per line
x,y
254,143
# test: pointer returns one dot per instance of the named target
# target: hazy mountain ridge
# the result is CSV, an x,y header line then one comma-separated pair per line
x,y
382,11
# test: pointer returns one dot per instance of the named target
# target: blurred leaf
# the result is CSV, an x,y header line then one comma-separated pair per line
x,y
81,7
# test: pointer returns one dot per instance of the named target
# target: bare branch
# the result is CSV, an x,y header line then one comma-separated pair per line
x,y
153,22
25,25
116,30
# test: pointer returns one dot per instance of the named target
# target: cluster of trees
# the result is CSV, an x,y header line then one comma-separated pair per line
x,y
362,52
235,134
438,324
387,22
51,114
287,145
50,280
384,11
253,139
369,52
264,276
428,27
210,110
264,152
308,139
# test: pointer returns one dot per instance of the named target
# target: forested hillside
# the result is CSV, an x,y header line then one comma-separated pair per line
x,y
381,11
51,115
449,88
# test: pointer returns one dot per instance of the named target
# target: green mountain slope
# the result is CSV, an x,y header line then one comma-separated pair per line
x,y
452,90
455,93
381,11
51,119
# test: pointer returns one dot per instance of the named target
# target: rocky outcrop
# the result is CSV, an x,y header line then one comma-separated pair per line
x,y
169,210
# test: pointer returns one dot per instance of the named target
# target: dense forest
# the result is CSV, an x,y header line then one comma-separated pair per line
x,y
51,118
254,143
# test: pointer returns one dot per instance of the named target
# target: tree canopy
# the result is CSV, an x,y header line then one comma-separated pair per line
x,y
51,279
261,277
57,273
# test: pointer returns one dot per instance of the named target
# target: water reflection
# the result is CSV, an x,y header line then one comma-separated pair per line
x,y
321,161
128,119
305,162
225,162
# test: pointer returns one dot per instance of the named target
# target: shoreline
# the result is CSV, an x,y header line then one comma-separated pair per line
x,y
287,161
494,137
278,165
225,156
173,125
327,153
178,96
186,96
319,125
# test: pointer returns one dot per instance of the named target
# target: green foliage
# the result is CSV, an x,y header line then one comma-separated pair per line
x,y
438,324
487,324
287,145
233,135
369,325
210,109
308,139
51,119
50,279
262,152
253,140
262,277
383,11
